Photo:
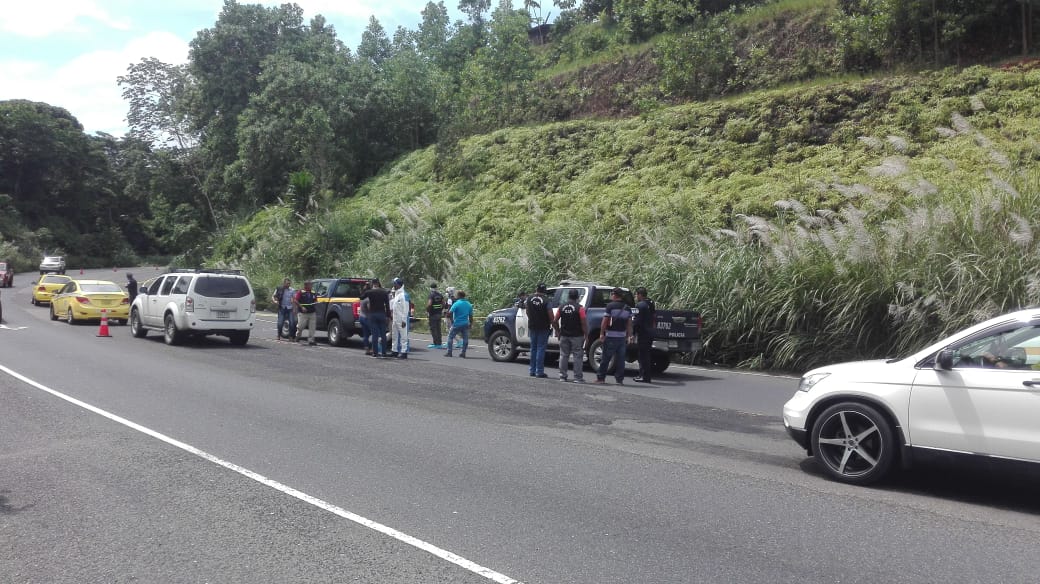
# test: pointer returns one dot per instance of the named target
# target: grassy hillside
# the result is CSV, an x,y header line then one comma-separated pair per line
x,y
820,221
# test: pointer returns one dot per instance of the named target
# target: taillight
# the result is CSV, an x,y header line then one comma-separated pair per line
x,y
252,305
83,300
357,310
189,304
125,301
41,289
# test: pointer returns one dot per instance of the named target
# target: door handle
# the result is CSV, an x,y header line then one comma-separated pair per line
x,y
1032,383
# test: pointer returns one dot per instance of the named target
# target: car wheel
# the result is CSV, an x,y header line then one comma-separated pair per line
x,y
659,362
32,300
854,443
501,347
136,326
69,318
596,356
239,338
170,333
336,336
54,315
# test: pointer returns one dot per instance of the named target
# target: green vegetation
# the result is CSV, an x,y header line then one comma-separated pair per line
x,y
809,224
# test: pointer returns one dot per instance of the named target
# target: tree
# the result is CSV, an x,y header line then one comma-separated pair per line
x,y
375,46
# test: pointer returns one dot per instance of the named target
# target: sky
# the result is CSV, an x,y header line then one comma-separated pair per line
x,y
68,53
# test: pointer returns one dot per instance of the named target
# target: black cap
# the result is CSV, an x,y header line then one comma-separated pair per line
x,y
617,292
573,293
433,285
542,287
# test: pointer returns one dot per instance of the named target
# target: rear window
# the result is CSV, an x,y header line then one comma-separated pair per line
x,y
348,290
3,267
100,288
601,297
221,287
54,280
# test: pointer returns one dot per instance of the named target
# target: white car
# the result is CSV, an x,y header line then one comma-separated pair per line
x,y
55,264
199,302
976,393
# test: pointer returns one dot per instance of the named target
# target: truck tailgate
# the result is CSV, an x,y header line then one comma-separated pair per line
x,y
677,324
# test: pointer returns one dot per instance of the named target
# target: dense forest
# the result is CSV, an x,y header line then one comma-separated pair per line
x,y
535,142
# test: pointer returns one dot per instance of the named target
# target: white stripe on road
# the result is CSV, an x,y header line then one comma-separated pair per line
x,y
403,537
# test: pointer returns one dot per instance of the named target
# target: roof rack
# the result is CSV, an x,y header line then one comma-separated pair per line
x,y
580,283
205,271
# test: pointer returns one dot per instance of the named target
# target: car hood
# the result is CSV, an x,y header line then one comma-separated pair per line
x,y
871,372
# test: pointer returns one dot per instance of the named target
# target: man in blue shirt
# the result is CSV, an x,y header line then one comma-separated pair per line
x,y
461,313
283,299
615,332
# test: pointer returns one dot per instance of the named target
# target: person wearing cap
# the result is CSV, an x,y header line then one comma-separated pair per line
x,y
539,322
572,328
615,333
378,312
400,313
435,312
306,303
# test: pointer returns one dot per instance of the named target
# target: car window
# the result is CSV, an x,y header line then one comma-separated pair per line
x,y
320,287
54,280
3,267
348,290
221,287
182,285
1016,347
154,288
168,285
67,288
101,287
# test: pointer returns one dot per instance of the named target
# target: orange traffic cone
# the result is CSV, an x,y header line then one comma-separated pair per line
x,y
103,330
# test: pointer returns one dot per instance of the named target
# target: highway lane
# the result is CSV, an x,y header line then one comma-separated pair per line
x,y
537,480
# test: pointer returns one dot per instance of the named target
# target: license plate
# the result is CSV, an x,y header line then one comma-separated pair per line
x,y
222,314
673,344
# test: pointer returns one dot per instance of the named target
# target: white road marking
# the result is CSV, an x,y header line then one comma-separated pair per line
x,y
385,530
13,328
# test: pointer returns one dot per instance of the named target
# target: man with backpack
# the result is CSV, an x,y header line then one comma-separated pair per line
x,y
572,328
539,322
435,312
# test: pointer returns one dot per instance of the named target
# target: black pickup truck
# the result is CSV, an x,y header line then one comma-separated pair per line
x,y
675,331
337,311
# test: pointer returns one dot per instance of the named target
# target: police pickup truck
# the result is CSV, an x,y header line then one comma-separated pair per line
x,y
339,300
675,331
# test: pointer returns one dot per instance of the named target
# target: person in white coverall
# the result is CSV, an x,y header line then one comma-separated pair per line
x,y
401,312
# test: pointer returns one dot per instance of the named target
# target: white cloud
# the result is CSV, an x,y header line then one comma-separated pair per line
x,y
86,85
43,19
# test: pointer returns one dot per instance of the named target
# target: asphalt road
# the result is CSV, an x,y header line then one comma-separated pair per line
x,y
125,460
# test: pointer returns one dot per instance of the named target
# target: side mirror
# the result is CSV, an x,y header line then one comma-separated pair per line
x,y
944,360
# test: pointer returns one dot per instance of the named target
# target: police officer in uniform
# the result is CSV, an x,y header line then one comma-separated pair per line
x,y
643,325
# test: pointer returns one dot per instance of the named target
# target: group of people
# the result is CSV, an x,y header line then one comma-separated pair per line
x,y
297,307
570,324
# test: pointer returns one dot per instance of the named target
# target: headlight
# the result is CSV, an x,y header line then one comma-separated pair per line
x,y
810,380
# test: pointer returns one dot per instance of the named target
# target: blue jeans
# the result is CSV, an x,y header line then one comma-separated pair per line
x,y
459,329
539,340
613,347
365,332
283,315
377,327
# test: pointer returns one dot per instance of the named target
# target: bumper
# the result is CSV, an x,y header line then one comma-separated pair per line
x,y
91,313
677,345
796,413
799,436
43,297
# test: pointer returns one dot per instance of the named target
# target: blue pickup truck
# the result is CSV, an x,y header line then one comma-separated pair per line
x,y
675,331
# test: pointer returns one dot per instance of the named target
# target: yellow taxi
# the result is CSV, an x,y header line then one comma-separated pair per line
x,y
48,285
85,299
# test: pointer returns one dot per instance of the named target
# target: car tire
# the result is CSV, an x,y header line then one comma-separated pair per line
x,y
69,318
501,347
595,355
335,330
659,362
137,328
854,443
239,339
54,315
170,333
32,300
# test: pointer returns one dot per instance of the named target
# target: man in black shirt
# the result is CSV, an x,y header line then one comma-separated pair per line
x,y
572,328
643,325
539,320
378,314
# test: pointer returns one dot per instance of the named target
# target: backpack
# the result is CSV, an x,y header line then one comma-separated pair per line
x,y
436,301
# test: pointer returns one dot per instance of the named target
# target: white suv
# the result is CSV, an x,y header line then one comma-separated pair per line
x,y
195,302
52,264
